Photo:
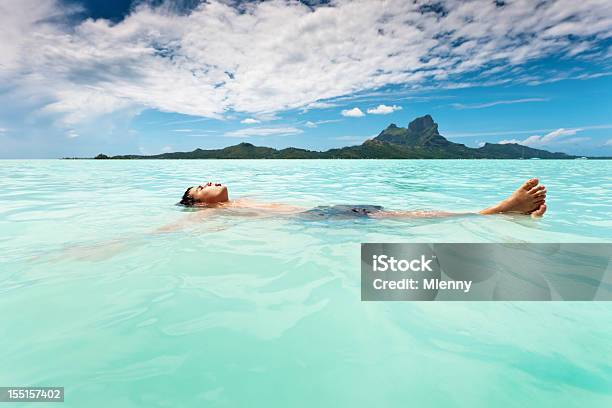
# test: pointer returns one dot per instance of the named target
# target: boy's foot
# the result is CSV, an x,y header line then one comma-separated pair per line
x,y
527,199
539,212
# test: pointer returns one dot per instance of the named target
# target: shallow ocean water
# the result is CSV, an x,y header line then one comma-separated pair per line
x,y
250,311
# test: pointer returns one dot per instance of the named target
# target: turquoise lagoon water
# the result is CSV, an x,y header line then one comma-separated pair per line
x,y
241,311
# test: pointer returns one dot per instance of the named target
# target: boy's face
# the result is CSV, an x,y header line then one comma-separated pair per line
x,y
209,193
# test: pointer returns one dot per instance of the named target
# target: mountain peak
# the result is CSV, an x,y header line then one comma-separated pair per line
x,y
422,131
422,123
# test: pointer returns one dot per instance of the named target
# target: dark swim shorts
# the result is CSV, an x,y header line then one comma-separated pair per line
x,y
341,211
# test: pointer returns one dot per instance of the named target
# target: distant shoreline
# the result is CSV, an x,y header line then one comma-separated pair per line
x,y
419,140
365,158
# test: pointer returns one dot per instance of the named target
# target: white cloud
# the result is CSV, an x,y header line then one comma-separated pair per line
x,y
166,149
608,142
71,134
384,109
219,58
352,113
311,124
208,134
180,122
596,75
77,105
318,105
276,131
250,121
495,103
550,138
520,132
182,130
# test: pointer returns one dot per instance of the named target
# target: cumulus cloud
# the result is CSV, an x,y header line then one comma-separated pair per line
x,y
352,113
221,57
250,121
258,131
384,109
547,139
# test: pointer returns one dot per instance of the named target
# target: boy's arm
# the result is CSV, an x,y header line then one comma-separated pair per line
x,y
183,223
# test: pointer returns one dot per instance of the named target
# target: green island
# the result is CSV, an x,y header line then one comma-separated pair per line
x,y
420,140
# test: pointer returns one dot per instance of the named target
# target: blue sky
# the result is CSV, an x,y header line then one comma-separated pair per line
x,y
78,78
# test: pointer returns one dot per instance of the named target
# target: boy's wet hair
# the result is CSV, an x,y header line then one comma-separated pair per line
x,y
187,200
